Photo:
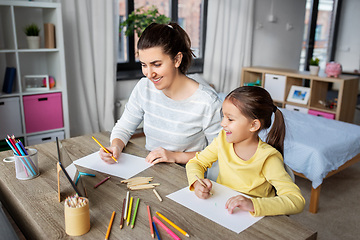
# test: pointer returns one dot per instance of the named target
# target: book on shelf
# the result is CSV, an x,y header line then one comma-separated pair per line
x,y
49,30
9,79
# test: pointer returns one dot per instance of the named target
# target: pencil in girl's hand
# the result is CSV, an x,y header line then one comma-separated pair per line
x,y
150,222
110,225
122,214
202,183
107,151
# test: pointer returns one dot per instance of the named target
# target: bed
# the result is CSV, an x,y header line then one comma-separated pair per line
x,y
316,148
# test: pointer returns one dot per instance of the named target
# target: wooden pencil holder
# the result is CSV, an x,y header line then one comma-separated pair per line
x,y
77,220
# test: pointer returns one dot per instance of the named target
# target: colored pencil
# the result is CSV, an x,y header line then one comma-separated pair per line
x,y
172,234
26,159
26,153
102,182
136,179
134,215
172,224
139,187
202,183
156,231
109,227
150,222
16,153
126,205
122,214
157,195
107,151
129,211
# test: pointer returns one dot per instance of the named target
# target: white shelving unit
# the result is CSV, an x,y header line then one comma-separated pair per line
x,y
14,52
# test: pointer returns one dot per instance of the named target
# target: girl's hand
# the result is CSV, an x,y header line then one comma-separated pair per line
x,y
201,191
160,155
241,202
106,157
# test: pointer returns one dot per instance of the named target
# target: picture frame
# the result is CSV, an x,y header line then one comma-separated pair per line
x,y
36,82
299,94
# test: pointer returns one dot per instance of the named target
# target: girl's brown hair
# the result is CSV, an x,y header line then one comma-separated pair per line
x,y
256,103
171,38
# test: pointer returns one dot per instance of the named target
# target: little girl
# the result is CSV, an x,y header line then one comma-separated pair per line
x,y
246,163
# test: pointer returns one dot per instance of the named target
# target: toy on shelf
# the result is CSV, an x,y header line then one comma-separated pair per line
x,y
333,69
329,103
256,83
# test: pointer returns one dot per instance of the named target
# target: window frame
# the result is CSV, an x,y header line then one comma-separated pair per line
x,y
132,69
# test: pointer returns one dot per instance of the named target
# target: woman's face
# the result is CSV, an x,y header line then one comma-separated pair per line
x,y
158,67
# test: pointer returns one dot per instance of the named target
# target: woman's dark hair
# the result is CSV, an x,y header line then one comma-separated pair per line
x,y
171,38
256,103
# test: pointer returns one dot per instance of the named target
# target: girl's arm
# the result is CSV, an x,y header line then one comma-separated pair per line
x,y
289,199
201,162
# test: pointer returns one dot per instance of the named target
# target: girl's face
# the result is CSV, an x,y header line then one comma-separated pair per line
x,y
238,128
158,67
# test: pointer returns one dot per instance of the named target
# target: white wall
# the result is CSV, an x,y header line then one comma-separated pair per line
x,y
348,42
274,45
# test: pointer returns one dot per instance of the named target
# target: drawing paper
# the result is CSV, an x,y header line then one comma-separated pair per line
x,y
213,208
126,167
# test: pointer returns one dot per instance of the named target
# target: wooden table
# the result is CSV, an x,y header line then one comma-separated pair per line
x,y
34,206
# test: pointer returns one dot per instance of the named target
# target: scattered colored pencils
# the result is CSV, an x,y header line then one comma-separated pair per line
x,y
171,233
129,211
150,222
110,225
135,211
107,151
172,224
107,178
126,205
157,195
122,214
156,231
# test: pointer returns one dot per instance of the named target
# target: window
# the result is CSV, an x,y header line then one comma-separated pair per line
x,y
321,23
189,14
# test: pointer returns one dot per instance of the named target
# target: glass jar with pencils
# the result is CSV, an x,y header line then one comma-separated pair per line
x,y
26,164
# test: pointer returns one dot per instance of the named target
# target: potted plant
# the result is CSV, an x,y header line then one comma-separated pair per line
x,y
314,66
140,18
32,35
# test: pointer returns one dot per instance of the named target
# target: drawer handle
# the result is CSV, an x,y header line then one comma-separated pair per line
x,y
275,78
2,103
43,99
320,115
295,109
47,138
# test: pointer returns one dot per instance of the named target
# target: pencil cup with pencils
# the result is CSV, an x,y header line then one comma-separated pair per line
x,y
77,216
26,165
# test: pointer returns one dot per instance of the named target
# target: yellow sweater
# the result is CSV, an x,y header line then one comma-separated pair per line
x,y
256,177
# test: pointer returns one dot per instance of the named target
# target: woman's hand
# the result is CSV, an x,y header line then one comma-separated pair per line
x,y
115,150
201,191
241,202
160,155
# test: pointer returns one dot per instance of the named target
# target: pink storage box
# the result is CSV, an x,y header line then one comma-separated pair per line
x,y
322,114
43,112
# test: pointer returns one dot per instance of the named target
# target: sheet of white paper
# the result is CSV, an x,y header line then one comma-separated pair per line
x,y
126,167
71,170
213,208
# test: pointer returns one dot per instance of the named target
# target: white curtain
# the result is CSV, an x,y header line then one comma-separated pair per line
x,y
90,40
228,42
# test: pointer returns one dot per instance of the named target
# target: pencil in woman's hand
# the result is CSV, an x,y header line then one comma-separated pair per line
x,y
202,183
107,151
